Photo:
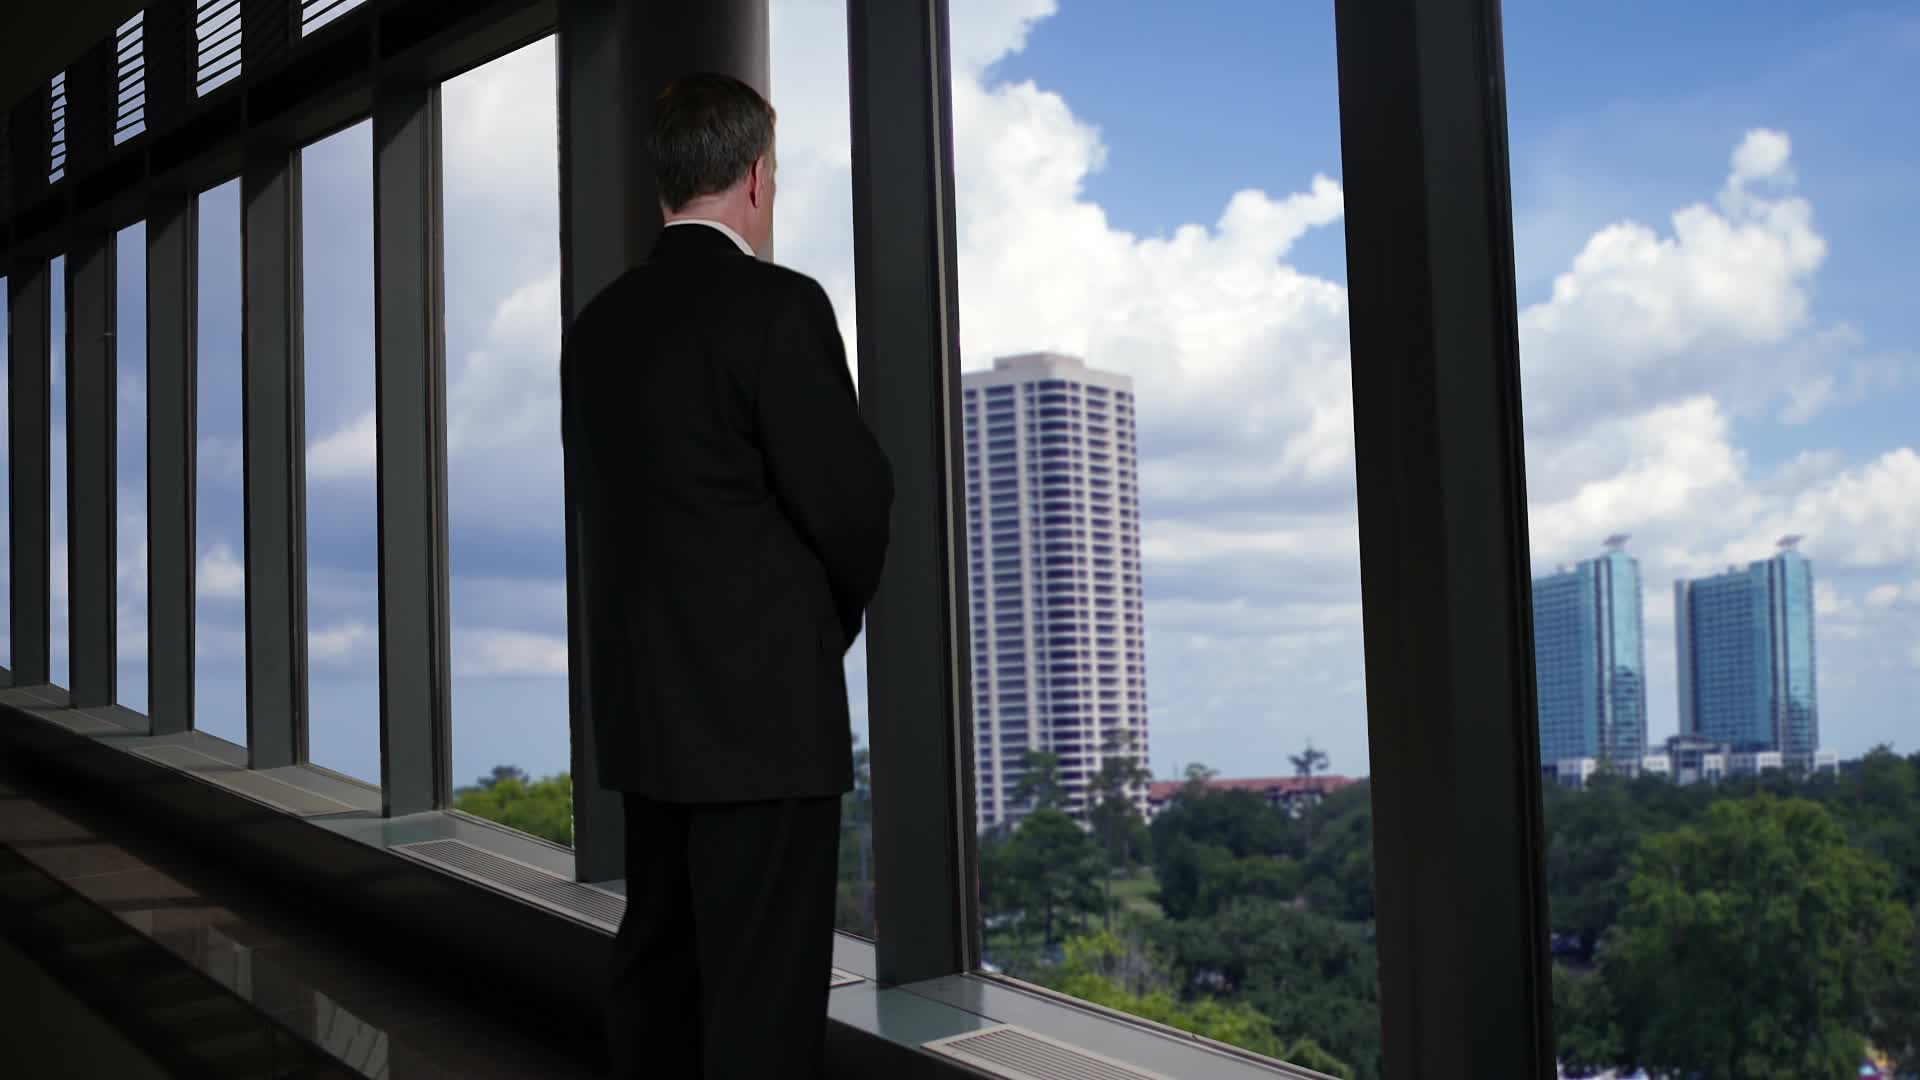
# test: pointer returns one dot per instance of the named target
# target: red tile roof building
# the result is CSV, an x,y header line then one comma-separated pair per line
x,y
1294,794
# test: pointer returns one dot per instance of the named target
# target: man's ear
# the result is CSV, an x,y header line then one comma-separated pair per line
x,y
757,177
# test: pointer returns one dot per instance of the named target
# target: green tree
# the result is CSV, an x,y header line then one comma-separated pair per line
x,y
1260,877
1309,1054
1309,974
1124,972
1308,762
543,808
1337,864
1895,1023
1880,806
1202,831
1583,1021
1114,818
1039,785
854,901
1751,944
1591,836
1047,872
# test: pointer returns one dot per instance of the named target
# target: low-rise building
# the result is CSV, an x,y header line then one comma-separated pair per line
x,y
1694,759
1292,794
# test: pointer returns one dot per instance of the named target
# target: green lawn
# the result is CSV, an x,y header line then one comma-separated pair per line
x,y
1136,893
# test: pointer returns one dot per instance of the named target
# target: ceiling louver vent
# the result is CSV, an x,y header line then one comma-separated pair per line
x,y
315,14
130,72
57,113
217,29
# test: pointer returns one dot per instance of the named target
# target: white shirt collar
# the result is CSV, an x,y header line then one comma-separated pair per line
x,y
738,240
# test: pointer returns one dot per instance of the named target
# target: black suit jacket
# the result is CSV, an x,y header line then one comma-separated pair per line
x,y
731,517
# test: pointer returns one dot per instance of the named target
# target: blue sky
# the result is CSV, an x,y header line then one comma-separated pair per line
x,y
1617,112
1139,187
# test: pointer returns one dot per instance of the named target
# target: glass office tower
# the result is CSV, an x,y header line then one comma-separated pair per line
x,y
1744,641
1053,538
1590,660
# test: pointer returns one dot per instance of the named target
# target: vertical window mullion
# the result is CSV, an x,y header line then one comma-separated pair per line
x,y
172,394
410,362
29,356
274,451
1458,827
91,491
919,702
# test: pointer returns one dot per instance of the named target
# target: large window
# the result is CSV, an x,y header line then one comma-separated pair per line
x,y
130,407
813,233
505,502
1166,659
59,642
343,542
220,576
1717,340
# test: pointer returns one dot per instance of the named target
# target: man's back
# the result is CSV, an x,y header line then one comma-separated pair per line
x,y
733,516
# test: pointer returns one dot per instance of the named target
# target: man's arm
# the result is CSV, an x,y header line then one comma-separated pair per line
x,y
827,472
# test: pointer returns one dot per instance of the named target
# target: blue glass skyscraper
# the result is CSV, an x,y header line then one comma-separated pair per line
x,y
1590,661
1745,655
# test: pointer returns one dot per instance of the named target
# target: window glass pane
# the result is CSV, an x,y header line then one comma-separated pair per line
x,y
130,343
58,640
343,542
1166,656
813,233
220,577
505,501
1717,332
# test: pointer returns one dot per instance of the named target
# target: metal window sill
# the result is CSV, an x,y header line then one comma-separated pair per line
x,y
906,1016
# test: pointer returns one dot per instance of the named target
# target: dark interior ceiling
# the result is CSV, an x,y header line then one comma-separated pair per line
x,y
39,37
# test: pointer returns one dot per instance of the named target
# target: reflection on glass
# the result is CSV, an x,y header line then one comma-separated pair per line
x,y
130,343
1716,333
813,234
1163,593
58,640
343,542
505,501
220,577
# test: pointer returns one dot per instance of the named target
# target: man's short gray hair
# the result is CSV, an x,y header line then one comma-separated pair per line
x,y
707,131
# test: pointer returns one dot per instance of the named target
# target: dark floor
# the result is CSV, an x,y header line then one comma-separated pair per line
x,y
303,975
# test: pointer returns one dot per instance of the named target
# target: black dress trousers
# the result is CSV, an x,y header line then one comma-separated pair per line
x,y
721,965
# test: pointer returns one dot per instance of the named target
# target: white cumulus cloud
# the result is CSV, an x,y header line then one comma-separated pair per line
x,y
1642,364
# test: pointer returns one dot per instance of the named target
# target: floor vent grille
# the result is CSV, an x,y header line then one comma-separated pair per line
x,y
261,789
1018,1054
588,903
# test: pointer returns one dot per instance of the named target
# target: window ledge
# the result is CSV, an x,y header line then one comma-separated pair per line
x,y
907,1016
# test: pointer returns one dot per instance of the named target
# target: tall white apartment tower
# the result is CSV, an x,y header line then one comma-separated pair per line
x,y
1053,553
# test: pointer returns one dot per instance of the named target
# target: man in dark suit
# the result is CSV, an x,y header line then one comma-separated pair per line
x,y
733,519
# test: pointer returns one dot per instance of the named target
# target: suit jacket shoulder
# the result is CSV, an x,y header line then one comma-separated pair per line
x,y
731,510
